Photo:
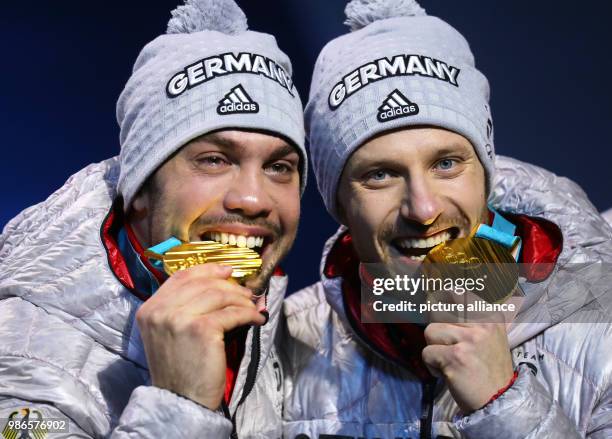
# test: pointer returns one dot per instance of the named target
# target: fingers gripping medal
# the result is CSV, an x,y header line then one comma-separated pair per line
x,y
173,255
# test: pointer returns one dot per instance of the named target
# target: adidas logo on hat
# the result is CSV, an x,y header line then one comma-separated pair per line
x,y
396,105
237,101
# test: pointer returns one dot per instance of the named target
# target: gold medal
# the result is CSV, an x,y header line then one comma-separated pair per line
x,y
244,261
476,258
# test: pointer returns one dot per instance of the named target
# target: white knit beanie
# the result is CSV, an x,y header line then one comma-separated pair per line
x,y
397,68
208,72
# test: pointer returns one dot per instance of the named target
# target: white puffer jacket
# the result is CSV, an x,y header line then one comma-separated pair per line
x,y
337,387
66,324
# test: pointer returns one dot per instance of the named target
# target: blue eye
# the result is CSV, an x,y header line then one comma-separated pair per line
x,y
446,164
379,175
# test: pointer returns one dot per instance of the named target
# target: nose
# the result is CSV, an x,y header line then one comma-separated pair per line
x,y
248,195
421,203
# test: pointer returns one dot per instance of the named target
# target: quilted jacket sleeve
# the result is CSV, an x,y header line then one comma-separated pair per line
x,y
48,366
155,413
151,413
527,411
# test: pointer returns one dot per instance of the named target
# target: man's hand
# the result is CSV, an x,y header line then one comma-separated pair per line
x,y
473,358
183,327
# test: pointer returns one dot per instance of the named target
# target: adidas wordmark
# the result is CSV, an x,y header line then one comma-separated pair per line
x,y
396,105
237,100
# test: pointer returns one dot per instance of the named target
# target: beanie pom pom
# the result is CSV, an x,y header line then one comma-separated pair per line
x,y
199,15
360,13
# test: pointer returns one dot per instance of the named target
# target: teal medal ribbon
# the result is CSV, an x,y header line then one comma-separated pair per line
x,y
161,249
502,232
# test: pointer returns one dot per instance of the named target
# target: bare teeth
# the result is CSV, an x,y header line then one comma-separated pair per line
x,y
237,240
423,243
432,241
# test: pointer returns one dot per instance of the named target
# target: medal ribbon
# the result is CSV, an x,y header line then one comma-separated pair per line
x,y
502,232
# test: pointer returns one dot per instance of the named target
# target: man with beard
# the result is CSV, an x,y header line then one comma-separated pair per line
x,y
94,334
401,140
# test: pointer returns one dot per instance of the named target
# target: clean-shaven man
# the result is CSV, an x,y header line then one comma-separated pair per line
x,y
94,335
401,139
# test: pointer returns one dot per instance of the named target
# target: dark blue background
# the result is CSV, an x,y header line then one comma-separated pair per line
x,y
64,64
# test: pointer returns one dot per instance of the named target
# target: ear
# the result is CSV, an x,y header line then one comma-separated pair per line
x,y
139,207
341,213
137,215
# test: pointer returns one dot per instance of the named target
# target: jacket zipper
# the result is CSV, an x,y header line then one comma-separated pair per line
x,y
428,386
249,382
427,409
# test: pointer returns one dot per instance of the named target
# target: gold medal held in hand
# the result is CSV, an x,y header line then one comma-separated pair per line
x,y
244,261
476,258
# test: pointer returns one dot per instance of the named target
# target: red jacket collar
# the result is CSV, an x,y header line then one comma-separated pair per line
x,y
108,232
542,244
